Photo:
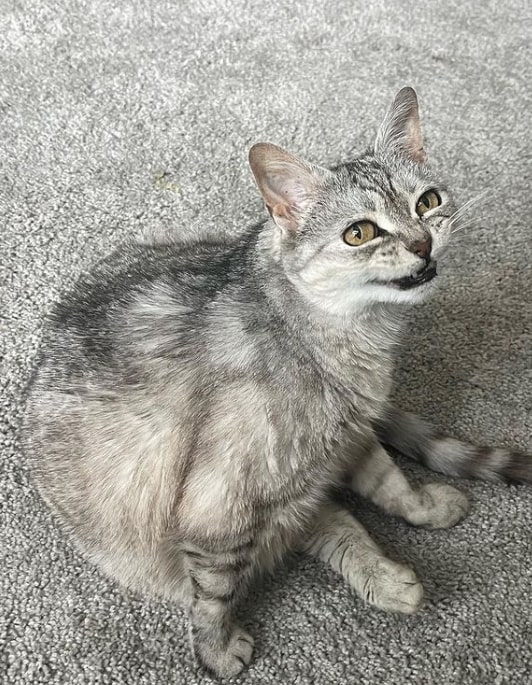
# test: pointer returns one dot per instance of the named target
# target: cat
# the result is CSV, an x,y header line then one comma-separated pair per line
x,y
196,404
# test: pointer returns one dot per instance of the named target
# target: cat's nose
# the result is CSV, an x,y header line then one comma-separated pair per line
x,y
422,248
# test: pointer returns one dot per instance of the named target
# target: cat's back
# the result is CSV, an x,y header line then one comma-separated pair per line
x,y
188,273
141,301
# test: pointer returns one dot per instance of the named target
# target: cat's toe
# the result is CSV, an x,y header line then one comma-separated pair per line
x,y
393,587
444,506
230,660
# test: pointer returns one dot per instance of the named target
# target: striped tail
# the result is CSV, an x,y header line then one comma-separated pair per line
x,y
417,439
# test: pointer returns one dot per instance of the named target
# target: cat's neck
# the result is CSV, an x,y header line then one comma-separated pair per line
x,y
357,349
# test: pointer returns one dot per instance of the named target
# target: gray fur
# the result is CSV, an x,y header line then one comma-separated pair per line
x,y
418,440
195,402
341,541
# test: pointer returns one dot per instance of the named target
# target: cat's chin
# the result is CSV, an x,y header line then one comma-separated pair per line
x,y
390,293
409,289
360,296
419,293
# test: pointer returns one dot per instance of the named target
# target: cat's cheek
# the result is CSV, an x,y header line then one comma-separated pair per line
x,y
440,243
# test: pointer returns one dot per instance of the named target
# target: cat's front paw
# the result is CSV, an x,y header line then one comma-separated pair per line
x,y
229,660
393,587
442,506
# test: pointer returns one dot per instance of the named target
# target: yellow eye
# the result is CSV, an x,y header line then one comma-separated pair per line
x,y
360,233
427,201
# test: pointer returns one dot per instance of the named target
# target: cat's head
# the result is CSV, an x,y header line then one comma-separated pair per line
x,y
367,231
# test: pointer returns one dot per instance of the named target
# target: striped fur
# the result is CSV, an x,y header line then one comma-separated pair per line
x,y
417,439
340,540
435,505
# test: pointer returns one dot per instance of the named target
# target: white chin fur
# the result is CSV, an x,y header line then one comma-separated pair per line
x,y
348,300
383,293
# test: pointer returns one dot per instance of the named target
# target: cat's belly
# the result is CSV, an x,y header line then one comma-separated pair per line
x,y
272,505
125,480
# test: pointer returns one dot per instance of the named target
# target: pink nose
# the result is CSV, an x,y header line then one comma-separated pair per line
x,y
422,248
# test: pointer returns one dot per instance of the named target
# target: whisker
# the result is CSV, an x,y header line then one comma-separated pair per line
x,y
462,211
470,224
467,205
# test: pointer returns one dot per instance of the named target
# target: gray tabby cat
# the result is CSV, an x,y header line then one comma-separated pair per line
x,y
196,404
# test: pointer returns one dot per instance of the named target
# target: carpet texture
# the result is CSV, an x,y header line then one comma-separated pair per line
x,y
116,118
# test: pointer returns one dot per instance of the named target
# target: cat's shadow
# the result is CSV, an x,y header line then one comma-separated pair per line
x,y
461,354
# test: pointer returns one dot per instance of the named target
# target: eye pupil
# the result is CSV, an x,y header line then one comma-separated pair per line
x,y
427,201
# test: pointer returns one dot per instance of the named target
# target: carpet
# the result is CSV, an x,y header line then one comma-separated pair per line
x,y
121,118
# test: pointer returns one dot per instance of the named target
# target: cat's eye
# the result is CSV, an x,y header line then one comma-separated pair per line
x,y
361,232
429,200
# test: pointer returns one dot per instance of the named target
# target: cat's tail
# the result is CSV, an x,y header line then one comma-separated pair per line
x,y
417,439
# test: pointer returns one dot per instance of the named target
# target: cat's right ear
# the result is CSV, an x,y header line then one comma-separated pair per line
x,y
400,131
288,185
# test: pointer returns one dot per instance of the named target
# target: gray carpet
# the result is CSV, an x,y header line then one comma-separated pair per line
x,y
130,116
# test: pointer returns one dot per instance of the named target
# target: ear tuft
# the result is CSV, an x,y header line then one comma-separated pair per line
x,y
401,129
288,185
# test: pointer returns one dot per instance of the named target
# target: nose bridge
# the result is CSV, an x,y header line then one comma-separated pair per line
x,y
415,237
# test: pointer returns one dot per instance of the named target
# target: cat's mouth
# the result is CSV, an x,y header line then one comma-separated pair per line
x,y
424,276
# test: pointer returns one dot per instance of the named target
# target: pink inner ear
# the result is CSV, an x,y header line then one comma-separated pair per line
x,y
401,128
284,217
292,193
415,142
287,183
420,156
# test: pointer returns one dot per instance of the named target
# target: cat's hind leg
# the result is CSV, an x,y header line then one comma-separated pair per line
x,y
340,540
435,505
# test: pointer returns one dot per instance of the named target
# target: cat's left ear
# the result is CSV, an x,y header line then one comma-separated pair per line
x,y
401,129
288,185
